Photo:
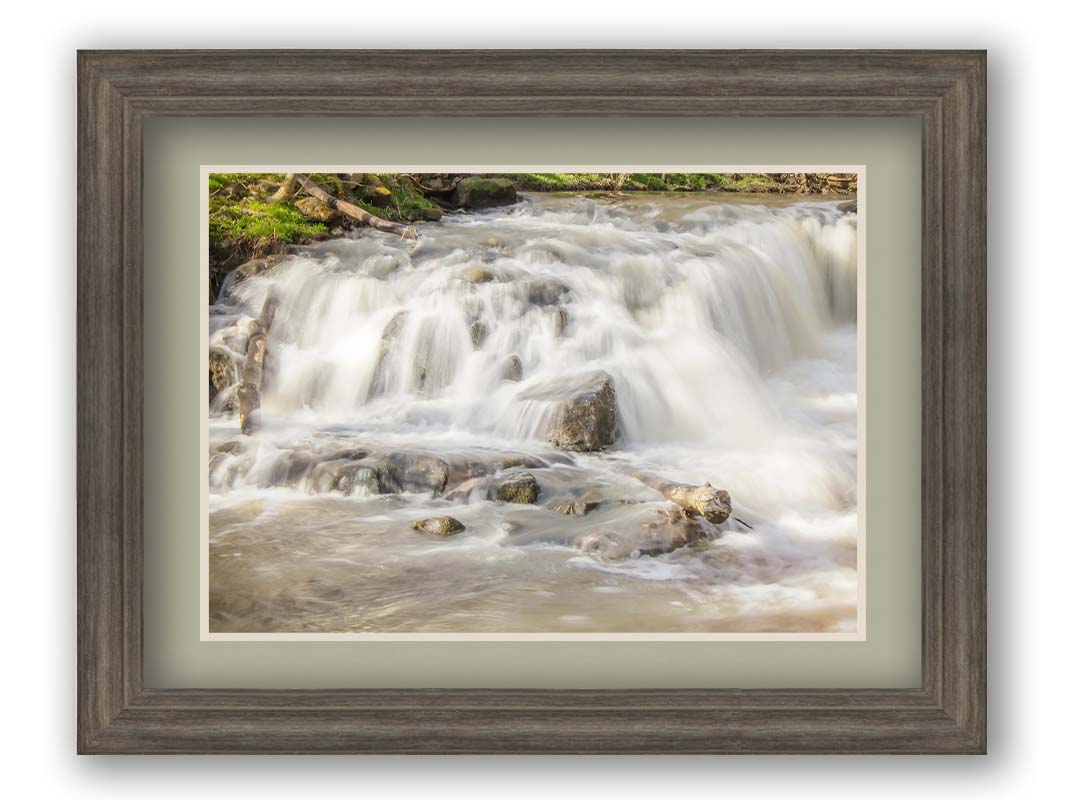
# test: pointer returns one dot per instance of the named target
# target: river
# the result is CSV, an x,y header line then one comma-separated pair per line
x,y
727,325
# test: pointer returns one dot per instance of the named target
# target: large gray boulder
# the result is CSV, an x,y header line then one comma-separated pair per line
x,y
477,193
588,415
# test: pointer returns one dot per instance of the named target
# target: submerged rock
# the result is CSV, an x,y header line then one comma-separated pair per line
x,y
406,472
344,474
477,193
667,530
461,492
560,322
388,353
477,275
519,488
577,508
512,368
546,292
439,526
290,468
588,417
360,477
849,206
520,460
425,214
479,332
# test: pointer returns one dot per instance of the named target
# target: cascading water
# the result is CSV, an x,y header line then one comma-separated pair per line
x,y
728,330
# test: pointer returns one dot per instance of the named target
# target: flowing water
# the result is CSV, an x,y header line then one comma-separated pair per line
x,y
728,325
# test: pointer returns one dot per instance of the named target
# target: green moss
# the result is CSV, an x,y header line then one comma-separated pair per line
x,y
255,219
243,224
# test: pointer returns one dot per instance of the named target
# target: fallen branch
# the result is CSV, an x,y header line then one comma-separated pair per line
x,y
248,392
355,212
700,501
286,190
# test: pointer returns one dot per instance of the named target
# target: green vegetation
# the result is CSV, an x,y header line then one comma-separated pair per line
x,y
242,223
643,181
256,220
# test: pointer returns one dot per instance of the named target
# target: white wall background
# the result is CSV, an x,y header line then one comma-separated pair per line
x,y
1027,294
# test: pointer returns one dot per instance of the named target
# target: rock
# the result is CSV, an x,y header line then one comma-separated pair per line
x,y
588,417
560,322
316,209
425,214
669,530
339,473
290,468
512,368
546,292
519,488
439,526
221,370
405,472
477,275
849,206
360,477
577,508
607,545
476,193
254,267
529,462
371,188
231,447
462,491
479,331
381,266
666,531
387,354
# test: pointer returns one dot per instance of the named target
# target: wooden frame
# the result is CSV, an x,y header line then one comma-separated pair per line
x,y
118,90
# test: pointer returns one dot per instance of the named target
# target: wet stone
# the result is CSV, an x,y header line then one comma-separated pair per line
x,y
439,526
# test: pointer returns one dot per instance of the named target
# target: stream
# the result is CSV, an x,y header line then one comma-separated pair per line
x,y
407,380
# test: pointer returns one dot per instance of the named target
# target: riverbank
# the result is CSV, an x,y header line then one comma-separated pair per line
x,y
254,215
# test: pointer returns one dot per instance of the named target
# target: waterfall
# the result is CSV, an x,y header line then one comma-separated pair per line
x,y
727,328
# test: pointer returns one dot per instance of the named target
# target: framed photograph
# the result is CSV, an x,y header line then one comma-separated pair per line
x,y
531,402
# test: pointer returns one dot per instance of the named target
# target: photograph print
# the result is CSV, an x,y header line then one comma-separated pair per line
x,y
493,404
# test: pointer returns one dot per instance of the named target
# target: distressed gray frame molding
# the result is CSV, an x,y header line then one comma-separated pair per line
x,y
117,90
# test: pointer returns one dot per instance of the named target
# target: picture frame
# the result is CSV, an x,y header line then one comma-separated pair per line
x,y
119,90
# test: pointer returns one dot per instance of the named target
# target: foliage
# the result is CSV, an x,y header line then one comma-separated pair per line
x,y
641,181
